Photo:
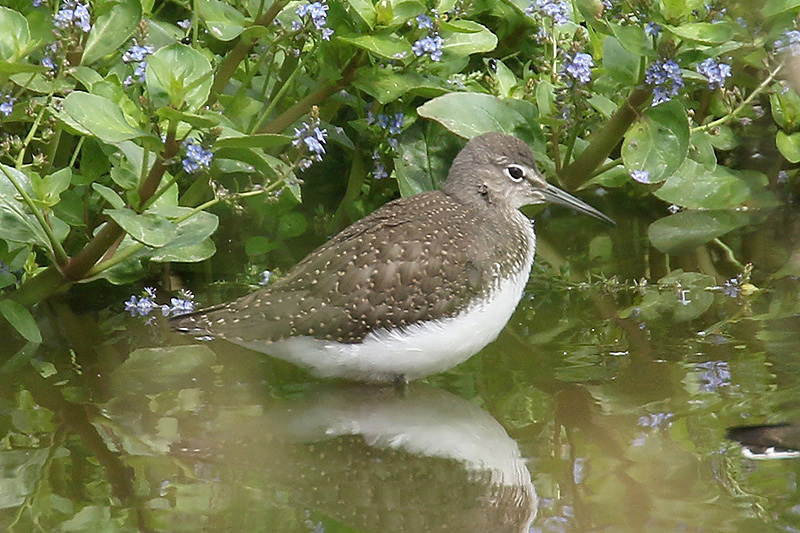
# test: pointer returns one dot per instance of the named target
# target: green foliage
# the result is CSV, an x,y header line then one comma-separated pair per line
x,y
122,132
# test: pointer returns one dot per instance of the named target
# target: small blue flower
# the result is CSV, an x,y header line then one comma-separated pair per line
x,y
6,104
424,22
555,9
379,172
432,44
579,67
73,13
652,29
642,176
137,53
184,24
666,78
732,288
142,305
396,124
196,158
715,72
36,3
790,43
314,139
318,12
47,61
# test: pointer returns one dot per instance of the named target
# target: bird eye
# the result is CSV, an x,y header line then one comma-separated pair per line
x,y
515,172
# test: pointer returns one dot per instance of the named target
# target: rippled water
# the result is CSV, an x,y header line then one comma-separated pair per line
x,y
602,406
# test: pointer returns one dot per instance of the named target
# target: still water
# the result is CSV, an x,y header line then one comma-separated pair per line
x,y
603,405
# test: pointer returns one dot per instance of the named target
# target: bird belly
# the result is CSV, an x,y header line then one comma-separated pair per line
x,y
415,351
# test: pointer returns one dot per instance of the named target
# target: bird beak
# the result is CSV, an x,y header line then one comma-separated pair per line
x,y
555,195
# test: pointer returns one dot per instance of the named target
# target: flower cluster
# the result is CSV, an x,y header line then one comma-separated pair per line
x,y
393,124
145,303
666,78
314,139
136,54
555,9
318,13
579,67
715,72
6,104
714,375
432,43
73,14
197,156
790,43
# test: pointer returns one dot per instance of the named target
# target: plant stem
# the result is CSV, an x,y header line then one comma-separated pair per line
x,y
730,116
300,108
239,52
604,140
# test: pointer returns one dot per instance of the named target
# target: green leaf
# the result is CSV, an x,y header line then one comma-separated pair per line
x,y
658,142
259,140
147,228
465,37
21,319
224,22
423,161
387,86
192,242
485,113
695,187
785,105
292,224
54,184
633,39
180,76
789,145
685,297
198,121
14,34
112,27
109,195
620,63
704,32
683,232
385,45
365,10
17,223
101,117
776,7
702,150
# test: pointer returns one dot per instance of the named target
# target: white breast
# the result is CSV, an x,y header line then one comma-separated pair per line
x,y
415,351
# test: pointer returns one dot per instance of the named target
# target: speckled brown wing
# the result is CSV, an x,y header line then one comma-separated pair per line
x,y
388,270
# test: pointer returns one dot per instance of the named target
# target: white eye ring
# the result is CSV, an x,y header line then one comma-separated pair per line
x,y
515,173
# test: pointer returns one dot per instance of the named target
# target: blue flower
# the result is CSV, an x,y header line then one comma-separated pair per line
x,y
73,13
424,22
393,124
642,176
265,277
579,67
666,78
379,172
6,104
652,29
318,12
47,61
432,44
142,305
137,53
790,43
715,72
314,139
732,288
184,24
196,158
555,9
